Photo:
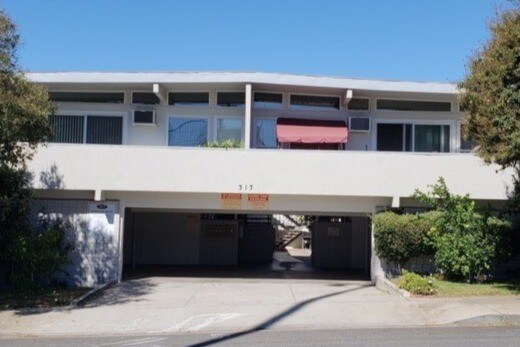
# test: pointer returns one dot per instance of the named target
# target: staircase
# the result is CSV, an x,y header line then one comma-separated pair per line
x,y
288,229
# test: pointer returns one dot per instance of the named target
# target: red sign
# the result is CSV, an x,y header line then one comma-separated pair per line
x,y
231,200
258,201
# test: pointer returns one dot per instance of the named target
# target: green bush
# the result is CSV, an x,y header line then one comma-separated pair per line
x,y
467,244
417,284
40,254
398,238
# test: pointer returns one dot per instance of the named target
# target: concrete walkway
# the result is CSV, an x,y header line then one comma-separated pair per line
x,y
168,305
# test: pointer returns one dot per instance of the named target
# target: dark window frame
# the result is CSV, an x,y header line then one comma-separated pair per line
x,y
316,107
156,100
111,97
280,94
411,105
232,104
85,126
408,136
193,103
350,108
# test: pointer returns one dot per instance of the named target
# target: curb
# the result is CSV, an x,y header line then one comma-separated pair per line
x,y
489,319
388,286
85,297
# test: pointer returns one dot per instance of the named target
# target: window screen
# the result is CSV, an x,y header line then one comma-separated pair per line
x,y
359,124
230,129
231,99
413,105
99,97
105,130
145,98
317,103
268,100
358,104
187,132
188,99
67,129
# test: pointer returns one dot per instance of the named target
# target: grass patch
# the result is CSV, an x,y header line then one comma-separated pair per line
x,y
446,288
459,289
43,299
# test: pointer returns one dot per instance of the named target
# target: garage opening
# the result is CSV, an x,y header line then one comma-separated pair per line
x,y
245,245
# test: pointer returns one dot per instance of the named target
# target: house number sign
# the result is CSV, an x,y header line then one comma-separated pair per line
x,y
245,187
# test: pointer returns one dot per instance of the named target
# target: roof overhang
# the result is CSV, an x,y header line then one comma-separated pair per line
x,y
242,77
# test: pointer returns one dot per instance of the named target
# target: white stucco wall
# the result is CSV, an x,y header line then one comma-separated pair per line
x,y
277,172
93,235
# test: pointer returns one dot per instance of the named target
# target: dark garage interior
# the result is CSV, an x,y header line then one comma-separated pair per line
x,y
168,243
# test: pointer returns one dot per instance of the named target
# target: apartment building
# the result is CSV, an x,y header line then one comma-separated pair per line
x,y
132,164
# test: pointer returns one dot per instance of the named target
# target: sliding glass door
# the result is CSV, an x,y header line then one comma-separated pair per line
x,y
401,137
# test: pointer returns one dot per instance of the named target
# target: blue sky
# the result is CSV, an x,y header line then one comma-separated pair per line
x,y
411,40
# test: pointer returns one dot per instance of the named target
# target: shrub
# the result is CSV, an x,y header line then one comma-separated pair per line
x,y
225,144
398,238
467,244
417,284
40,254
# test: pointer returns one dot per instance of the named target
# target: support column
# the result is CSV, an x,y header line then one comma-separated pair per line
x,y
247,118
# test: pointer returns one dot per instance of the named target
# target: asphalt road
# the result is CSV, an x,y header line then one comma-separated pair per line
x,y
402,337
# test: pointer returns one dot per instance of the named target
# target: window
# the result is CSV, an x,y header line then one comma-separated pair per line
x,y
105,130
230,129
358,104
67,129
145,98
187,132
359,124
99,97
144,117
413,105
316,103
265,133
432,138
268,100
231,99
188,98
391,137
413,137
87,129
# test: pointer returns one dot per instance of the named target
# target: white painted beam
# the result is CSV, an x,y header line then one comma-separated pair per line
x,y
348,96
247,118
99,195
396,201
160,92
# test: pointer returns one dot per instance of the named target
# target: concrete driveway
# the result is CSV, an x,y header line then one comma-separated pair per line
x,y
158,305
169,304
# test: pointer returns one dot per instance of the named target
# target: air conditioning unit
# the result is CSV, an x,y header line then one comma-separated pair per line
x,y
359,124
144,117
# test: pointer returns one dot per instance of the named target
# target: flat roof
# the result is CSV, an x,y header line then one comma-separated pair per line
x,y
243,77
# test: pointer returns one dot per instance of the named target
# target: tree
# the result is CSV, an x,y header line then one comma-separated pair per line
x,y
491,92
24,111
468,244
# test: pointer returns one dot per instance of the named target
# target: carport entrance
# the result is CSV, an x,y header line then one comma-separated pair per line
x,y
240,245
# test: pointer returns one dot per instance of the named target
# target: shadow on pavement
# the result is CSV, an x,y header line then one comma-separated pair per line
x,y
120,293
271,321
